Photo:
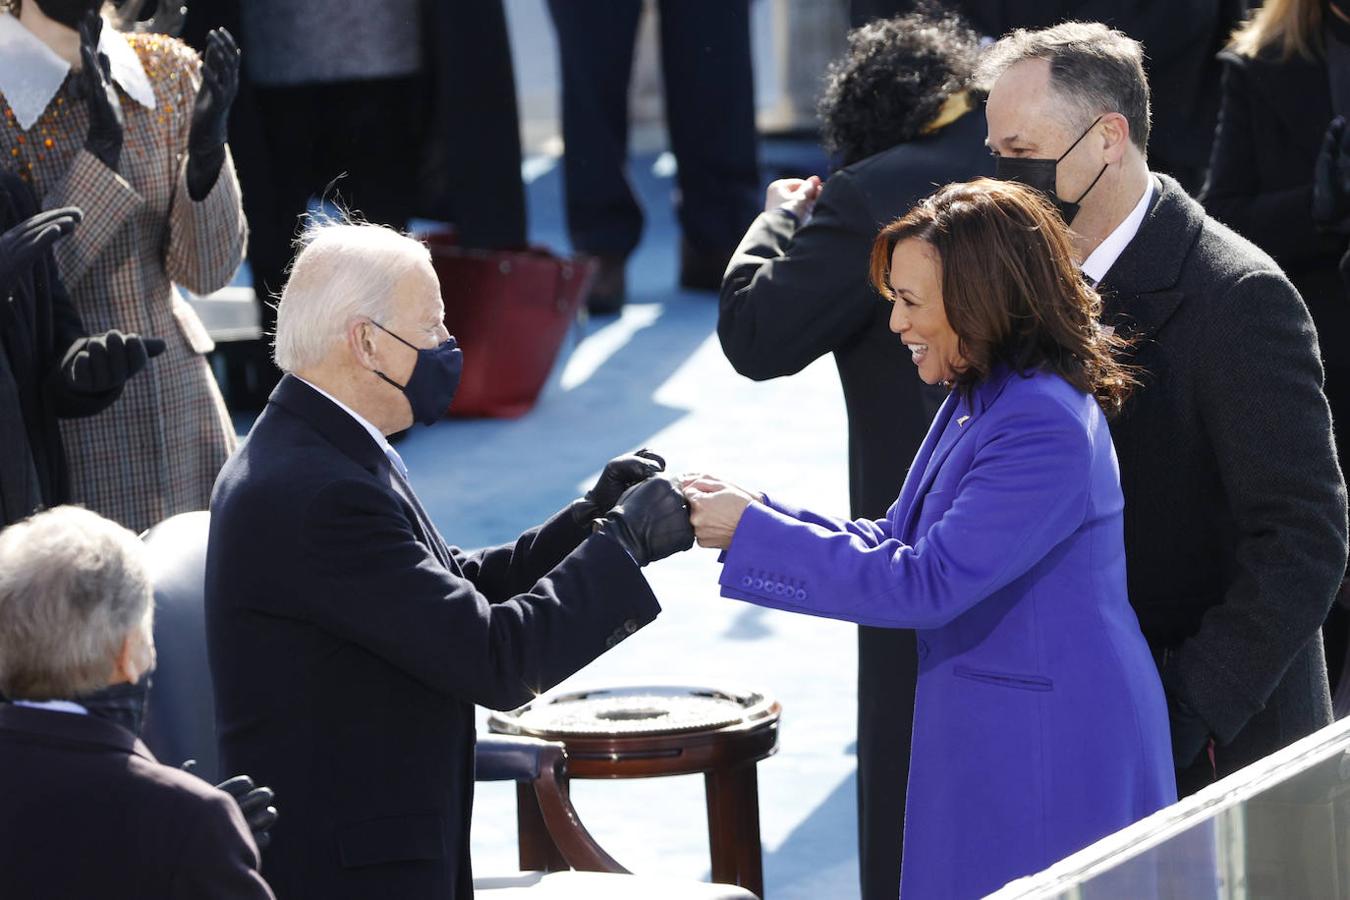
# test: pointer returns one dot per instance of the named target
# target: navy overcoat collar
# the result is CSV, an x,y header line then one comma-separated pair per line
x,y
331,421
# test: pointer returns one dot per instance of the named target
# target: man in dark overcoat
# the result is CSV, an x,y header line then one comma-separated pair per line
x,y
348,642
1235,508
797,289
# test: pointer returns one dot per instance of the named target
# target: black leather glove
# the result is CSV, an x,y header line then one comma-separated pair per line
x,y
619,475
24,244
650,521
1190,734
256,805
211,112
103,362
104,138
1331,180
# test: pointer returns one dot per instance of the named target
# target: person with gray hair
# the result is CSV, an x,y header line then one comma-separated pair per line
x,y
76,610
1235,508
348,641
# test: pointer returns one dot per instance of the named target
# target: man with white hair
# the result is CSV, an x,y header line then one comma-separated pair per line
x,y
348,642
75,617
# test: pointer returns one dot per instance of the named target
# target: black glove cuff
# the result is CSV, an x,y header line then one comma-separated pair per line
x,y
202,171
106,151
617,529
583,512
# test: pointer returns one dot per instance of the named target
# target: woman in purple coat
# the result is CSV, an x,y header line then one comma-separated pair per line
x,y
1040,724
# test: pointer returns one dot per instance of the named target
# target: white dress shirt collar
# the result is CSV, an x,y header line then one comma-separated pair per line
x,y
375,434
65,706
1100,261
31,73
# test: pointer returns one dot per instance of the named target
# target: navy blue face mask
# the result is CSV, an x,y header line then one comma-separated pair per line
x,y
123,704
1040,173
434,379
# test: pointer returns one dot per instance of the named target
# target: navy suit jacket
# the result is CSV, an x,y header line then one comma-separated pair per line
x,y
349,643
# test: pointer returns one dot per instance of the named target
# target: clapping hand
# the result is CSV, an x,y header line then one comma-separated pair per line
x,y
619,475
256,805
103,362
211,112
716,507
104,138
1331,180
796,196
24,244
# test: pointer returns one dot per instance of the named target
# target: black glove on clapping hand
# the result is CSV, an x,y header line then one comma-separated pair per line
x,y
104,138
24,244
211,112
102,363
256,805
1331,180
650,521
619,475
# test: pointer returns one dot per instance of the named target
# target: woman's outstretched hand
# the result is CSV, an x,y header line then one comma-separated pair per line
x,y
715,508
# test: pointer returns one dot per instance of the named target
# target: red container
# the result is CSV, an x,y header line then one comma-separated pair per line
x,y
510,310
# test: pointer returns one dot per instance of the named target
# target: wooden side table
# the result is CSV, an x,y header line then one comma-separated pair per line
x,y
646,732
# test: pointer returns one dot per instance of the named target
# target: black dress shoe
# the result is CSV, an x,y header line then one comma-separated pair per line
x,y
702,270
608,289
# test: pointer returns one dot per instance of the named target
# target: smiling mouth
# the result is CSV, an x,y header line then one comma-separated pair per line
x,y
917,352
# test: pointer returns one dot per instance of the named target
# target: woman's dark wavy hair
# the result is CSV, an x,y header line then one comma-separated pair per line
x,y
1010,287
893,81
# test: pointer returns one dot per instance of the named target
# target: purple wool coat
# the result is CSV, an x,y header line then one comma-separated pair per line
x,y
1039,722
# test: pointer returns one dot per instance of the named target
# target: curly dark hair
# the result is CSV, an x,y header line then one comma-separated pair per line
x,y
894,79
1010,288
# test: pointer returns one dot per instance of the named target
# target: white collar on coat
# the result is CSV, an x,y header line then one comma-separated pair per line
x,y
31,73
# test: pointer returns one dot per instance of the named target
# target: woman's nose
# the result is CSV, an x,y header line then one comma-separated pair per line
x,y
899,321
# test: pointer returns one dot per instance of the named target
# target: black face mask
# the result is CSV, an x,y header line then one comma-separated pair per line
x,y
1039,173
68,12
434,379
121,704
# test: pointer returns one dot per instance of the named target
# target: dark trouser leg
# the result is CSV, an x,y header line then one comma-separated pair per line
x,y
371,136
887,671
710,109
274,175
595,46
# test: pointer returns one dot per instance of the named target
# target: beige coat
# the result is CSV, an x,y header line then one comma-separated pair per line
x,y
156,451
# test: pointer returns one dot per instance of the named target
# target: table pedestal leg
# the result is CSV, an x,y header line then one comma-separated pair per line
x,y
733,827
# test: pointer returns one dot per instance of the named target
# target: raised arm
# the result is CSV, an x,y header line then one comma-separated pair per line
x,y
1026,491
388,593
794,293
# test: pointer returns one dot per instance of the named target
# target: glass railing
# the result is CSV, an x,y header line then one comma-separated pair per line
x,y
1278,829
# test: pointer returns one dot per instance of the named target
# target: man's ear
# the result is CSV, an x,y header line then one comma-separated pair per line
x,y
125,667
1116,132
361,341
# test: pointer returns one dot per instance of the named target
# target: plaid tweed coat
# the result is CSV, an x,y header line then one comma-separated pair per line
x,y
156,451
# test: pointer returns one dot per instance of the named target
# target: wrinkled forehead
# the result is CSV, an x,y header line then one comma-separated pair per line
x,y
1026,111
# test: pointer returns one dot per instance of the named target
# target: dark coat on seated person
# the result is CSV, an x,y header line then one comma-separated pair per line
x,y
349,643
88,812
